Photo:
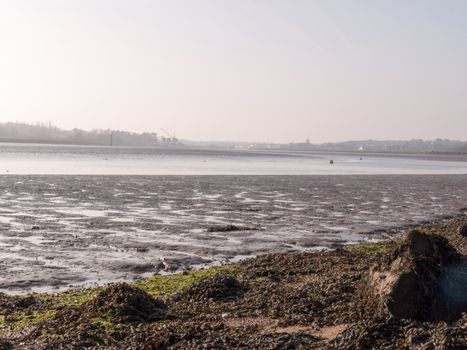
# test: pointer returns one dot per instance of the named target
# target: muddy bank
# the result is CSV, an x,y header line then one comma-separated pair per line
x,y
320,300
62,231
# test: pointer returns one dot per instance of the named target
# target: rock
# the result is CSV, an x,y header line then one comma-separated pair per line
x,y
133,267
409,280
126,303
462,230
230,228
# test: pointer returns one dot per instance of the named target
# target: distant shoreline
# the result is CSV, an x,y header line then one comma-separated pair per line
x,y
454,156
47,142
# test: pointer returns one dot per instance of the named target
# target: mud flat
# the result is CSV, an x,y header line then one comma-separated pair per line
x,y
297,300
57,232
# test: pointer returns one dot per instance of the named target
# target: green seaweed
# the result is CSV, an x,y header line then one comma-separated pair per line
x,y
24,320
167,285
73,297
368,248
108,326
260,279
314,295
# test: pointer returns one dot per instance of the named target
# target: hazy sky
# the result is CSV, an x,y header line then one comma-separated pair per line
x,y
264,70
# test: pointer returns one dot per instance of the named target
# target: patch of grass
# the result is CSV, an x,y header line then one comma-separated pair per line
x,y
164,286
368,248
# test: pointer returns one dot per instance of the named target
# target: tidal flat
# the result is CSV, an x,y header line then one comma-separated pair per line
x,y
58,232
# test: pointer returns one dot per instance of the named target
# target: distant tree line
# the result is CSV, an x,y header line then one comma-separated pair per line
x,y
410,146
47,133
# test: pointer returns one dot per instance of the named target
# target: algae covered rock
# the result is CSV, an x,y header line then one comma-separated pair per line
x,y
411,280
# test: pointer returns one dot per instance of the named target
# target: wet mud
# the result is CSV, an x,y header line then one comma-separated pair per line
x,y
63,231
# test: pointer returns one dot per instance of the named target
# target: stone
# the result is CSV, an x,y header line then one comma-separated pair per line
x,y
408,282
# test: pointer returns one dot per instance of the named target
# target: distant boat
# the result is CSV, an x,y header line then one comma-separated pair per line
x,y
331,162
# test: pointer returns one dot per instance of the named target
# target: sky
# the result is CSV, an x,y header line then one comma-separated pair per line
x,y
239,70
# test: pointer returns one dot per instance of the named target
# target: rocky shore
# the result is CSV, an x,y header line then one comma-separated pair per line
x,y
349,298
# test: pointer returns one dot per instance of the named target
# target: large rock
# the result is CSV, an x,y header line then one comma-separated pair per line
x,y
409,281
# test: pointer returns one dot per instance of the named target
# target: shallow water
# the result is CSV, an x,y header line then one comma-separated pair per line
x,y
90,160
58,231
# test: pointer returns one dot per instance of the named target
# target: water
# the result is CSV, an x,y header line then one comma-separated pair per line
x,y
50,159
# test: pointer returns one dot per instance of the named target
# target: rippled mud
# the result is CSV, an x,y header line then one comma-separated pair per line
x,y
60,231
